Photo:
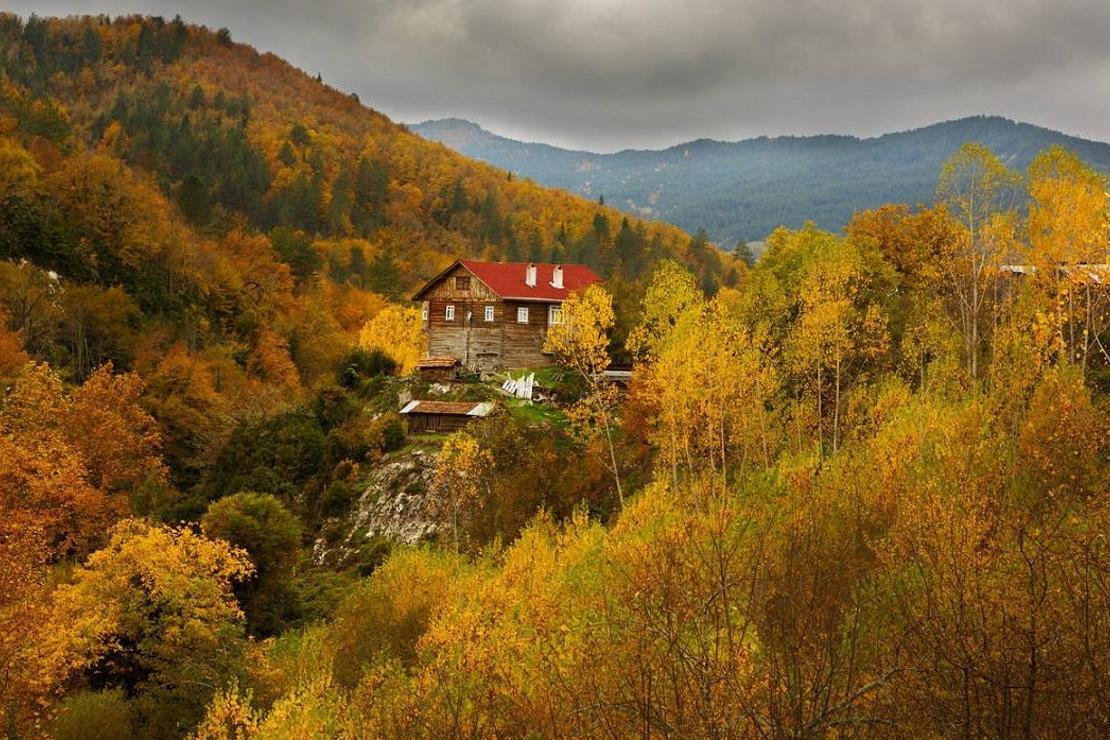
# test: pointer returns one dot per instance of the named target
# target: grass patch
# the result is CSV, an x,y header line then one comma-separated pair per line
x,y
425,441
536,413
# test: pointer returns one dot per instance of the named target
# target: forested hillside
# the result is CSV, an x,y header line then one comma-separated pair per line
x,y
207,181
859,489
744,189
177,203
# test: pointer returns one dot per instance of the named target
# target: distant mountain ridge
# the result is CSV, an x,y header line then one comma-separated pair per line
x,y
744,189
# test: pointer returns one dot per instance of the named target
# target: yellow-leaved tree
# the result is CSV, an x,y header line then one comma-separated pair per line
x,y
979,191
19,172
580,341
712,384
1069,233
399,333
154,613
838,327
460,478
670,294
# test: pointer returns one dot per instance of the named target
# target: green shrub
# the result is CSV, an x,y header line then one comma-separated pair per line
x,y
333,406
372,554
93,715
271,535
336,499
364,438
319,592
393,433
360,364
277,455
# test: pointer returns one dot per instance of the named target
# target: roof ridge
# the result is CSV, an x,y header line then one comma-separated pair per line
x,y
507,280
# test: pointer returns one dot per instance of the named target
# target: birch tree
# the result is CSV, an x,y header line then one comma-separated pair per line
x,y
979,191
580,342
460,478
1069,230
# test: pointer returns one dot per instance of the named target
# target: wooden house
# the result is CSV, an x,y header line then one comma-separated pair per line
x,y
495,315
443,416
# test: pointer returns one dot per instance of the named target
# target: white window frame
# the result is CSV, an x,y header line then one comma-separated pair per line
x,y
449,313
555,314
522,315
424,311
489,313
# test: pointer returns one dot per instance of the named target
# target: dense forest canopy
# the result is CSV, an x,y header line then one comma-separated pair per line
x,y
860,487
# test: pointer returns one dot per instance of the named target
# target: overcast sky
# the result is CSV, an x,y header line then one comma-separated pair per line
x,y
609,74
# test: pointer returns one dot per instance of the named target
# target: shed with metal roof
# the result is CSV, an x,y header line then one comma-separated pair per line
x,y
444,417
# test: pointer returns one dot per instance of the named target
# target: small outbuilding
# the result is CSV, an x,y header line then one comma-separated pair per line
x,y
443,417
438,369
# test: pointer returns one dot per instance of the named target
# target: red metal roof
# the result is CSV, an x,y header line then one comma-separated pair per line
x,y
507,279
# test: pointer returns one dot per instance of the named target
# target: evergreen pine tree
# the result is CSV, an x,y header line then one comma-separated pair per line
x,y
371,193
744,252
535,247
196,97
299,135
358,268
385,274
287,156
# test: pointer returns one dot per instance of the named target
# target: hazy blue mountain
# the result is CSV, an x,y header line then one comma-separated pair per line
x,y
744,189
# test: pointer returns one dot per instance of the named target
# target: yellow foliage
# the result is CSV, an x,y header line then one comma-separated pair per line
x,y
460,480
19,172
156,599
399,333
580,340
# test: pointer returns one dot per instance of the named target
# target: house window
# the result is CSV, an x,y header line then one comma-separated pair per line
x,y
424,311
462,282
489,313
554,315
522,315
450,313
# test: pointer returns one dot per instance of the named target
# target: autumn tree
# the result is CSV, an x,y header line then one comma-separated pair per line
x,y
979,192
921,245
460,481
120,441
152,613
13,357
46,482
99,325
671,291
837,330
271,536
580,342
399,333
384,617
24,605
712,385
1069,227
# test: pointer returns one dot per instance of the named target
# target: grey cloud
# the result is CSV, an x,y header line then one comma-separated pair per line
x,y
611,73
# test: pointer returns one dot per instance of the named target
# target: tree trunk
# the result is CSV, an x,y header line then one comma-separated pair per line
x,y
836,408
615,470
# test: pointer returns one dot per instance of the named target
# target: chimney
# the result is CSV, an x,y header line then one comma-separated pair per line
x,y
557,277
530,275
